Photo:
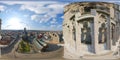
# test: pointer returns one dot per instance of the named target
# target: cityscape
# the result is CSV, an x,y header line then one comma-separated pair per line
x,y
59,30
18,43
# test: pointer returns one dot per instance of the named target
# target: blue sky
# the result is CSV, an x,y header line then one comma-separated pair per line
x,y
34,14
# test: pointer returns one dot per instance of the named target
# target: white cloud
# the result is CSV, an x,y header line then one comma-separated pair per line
x,y
52,26
53,21
2,8
38,9
26,2
44,11
33,17
25,15
62,17
38,6
50,11
59,26
41,18
57,8
55,27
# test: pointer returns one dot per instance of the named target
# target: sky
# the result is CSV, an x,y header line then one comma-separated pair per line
x,y
34,14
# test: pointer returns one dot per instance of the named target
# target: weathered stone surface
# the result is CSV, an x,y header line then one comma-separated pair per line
x,y
87,28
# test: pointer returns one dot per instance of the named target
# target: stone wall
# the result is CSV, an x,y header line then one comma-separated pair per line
x,y
88,26
54,38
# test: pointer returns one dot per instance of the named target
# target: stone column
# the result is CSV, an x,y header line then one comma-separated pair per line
x,y
95,31
78,34
119,49
0,52
108,34
72,41
119,29
72,36
115,35
78,37
117,32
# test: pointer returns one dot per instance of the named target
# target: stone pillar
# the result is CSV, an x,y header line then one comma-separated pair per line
x,y
119,49
108,34
78,34
115,34
115,37
95,31
78,38
0,52
119,29
71,36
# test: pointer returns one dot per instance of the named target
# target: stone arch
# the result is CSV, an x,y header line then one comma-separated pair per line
x,y
102,18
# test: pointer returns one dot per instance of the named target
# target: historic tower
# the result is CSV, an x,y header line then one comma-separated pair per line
x,y
90,28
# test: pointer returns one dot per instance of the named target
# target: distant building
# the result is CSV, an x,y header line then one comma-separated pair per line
x,y
90,28
52,37
25,32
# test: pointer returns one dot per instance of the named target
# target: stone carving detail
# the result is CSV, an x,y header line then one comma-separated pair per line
x,y
113,34
86,36
91,28
74,30
74,33
102,33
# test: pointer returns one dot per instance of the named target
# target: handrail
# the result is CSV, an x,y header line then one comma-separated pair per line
x,y
3,46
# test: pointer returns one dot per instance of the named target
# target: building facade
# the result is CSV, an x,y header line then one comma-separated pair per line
x,y
90,28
